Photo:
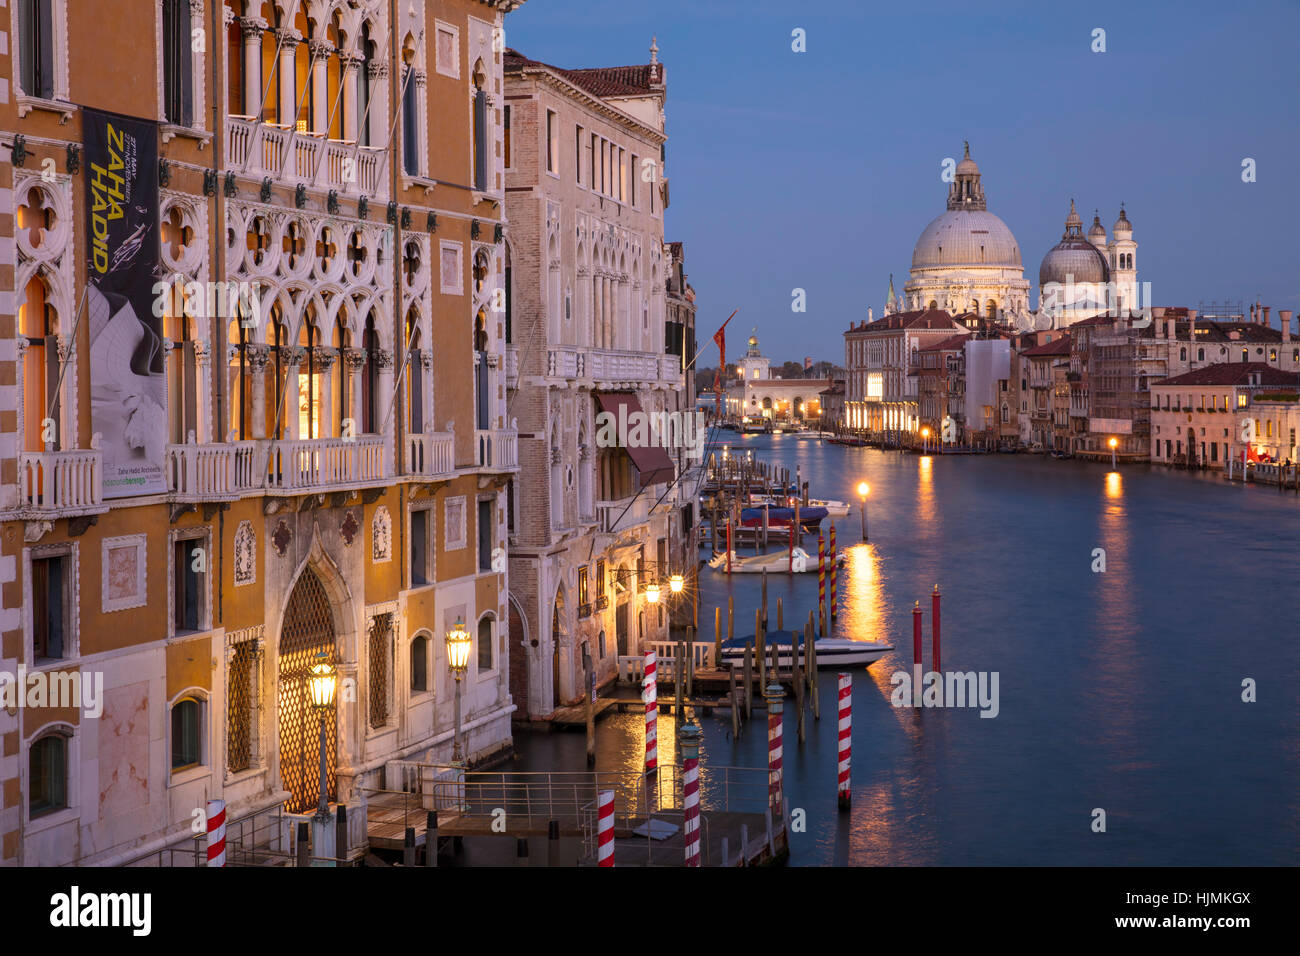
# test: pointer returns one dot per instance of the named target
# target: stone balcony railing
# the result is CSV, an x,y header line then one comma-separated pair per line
x,y
619,366
60,483
325,464
265,149
496,449
212,472
430,455
612,365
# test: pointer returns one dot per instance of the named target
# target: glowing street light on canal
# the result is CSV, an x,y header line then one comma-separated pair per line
x,y
1113,443
676,583
652,592
925,439
863,490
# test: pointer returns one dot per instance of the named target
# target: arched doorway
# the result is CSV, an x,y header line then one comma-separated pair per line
x,y
307,630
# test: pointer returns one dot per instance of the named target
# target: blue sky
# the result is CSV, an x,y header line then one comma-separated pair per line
x,y
818,170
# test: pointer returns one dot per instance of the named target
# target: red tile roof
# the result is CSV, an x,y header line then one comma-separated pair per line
x,y
952,343
1060,346
933,319
1234,373
605,82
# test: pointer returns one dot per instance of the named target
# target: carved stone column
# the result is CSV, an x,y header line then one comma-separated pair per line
x,y
257,357
323,362
351,66
251,28
355,361
287,75
320,101
203,391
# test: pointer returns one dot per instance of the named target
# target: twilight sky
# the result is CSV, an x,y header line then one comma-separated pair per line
x,y
820,169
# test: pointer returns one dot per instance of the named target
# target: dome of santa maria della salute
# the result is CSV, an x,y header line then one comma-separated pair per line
x,y
967,259
963,237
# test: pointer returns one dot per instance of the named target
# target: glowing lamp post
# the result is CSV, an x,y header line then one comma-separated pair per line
x,y
676,583
925,440
652,593
1113,443
321,682
458,645
863,489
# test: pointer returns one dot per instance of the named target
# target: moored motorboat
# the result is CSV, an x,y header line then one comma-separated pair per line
x,y
831,651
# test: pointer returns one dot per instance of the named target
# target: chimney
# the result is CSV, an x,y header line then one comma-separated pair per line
x,y
1252,313
1191,326
1267,310
1285,316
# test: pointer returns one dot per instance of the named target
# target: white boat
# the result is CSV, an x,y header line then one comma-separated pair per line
x,y
835,509
778,562
831,651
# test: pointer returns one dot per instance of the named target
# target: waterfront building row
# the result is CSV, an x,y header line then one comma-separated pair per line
x,y
276,417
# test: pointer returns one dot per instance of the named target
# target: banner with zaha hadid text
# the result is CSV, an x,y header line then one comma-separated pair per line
x,y
128,397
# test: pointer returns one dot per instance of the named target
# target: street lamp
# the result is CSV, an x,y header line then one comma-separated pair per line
x,y
321,681
925,439
676,583
863,489
1113,442
458,644
652,592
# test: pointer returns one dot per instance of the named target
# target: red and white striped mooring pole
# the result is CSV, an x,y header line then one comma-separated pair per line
x,y
775,695
605,828
846,738
689,740
216,810
651,696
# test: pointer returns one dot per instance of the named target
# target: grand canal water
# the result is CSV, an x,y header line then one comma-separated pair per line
x,y
1119,690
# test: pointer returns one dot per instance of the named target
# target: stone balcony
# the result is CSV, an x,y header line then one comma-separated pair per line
x,y
496,449
612,367
265,149
430,455
213,472
61,484
326,464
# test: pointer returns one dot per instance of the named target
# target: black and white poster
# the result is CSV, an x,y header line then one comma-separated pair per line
x,y
127,374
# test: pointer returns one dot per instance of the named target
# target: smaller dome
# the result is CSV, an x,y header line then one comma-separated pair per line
x,y
1123,228
1074,259
1097,232
753,341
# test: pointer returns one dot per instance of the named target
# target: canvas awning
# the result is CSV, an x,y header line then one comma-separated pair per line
x,y
651,461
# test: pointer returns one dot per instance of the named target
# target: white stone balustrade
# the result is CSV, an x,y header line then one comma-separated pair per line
x,y
497,449
264,149
430,454
54,482
325,464
212,472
